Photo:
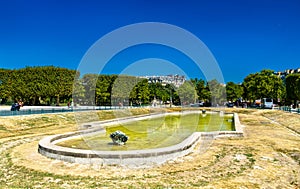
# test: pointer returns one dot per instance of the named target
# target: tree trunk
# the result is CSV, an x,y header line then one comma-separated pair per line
x,y
57,100
34,101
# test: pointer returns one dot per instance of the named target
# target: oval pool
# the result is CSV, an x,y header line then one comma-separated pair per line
x,y
153,139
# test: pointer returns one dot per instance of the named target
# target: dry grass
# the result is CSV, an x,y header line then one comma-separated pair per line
x,y
267,157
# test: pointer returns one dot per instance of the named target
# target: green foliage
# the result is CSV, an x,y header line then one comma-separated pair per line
x,y
217,92
104,88
263,84
293,87
202,89
187,93
233,91
78,89
158,91
139,94
37,84
124,89
5,84
89,82
49,84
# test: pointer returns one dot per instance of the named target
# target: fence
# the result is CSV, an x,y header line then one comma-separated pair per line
x,y
289,109
48,110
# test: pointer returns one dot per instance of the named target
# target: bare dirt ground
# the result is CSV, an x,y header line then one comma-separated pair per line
x,y
268,156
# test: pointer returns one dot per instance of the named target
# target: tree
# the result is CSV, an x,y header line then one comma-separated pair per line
x,y
201,89
171,94
263,84
78,94
122,89
103,89
6,85
140,92
159,92
65,86
217,91
293,87
37,84
187,93
89,82
233,91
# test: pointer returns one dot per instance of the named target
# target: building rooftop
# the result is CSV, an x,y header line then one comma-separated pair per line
x,y
176,80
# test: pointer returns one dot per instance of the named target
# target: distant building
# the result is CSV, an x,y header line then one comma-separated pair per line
x,y
283,74
176,80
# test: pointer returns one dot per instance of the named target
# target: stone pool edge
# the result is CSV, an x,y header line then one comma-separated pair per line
x,y
132,158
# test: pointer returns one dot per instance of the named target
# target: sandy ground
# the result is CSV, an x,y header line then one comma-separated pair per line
x,y
268,156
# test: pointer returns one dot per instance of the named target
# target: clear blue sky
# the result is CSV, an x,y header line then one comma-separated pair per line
x,y
244,36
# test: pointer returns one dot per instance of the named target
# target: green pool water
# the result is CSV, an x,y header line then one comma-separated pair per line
x,y
154,133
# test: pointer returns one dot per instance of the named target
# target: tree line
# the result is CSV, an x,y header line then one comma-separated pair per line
x,y
50,85
35,85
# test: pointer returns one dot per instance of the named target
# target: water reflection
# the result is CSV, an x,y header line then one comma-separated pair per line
x,y
155,133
